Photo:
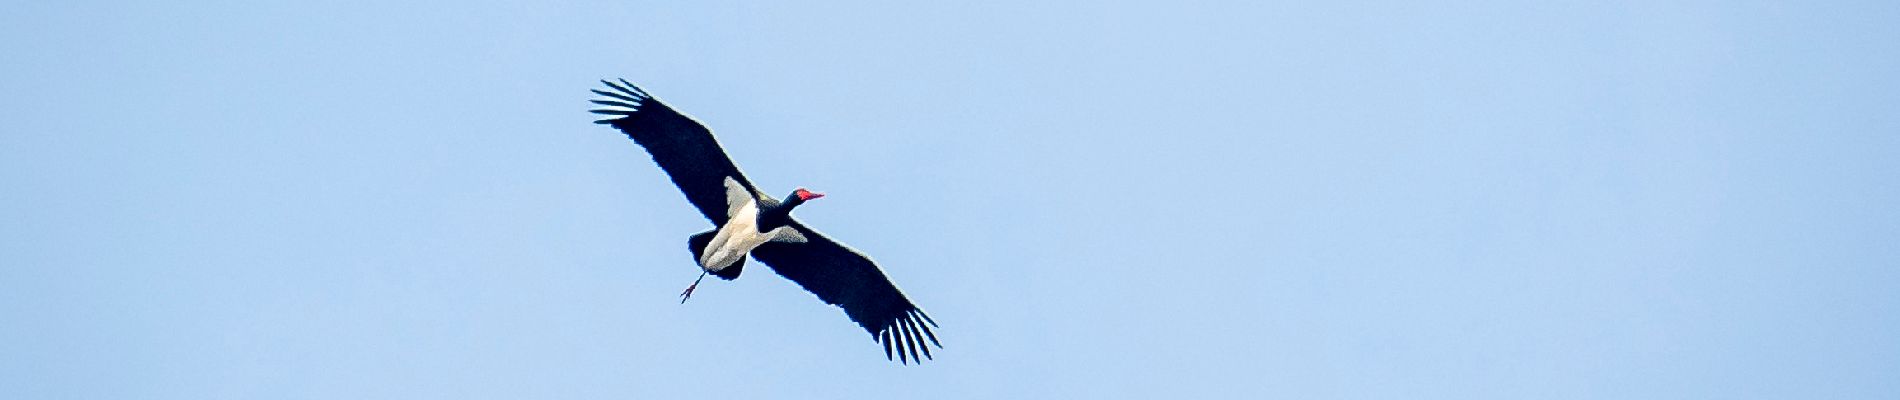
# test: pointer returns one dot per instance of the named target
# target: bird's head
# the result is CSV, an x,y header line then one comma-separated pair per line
x,y
804,195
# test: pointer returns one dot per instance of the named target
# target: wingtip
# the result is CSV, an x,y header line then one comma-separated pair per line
x,y
917,337
903,340
618,103
622,96
920,313
898,337
885,338
626,87
926,328
636,88
910,341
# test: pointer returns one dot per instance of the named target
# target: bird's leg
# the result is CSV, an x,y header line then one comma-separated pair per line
x,y
689,289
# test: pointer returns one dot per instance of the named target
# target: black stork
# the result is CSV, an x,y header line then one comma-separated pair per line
x,y
748,221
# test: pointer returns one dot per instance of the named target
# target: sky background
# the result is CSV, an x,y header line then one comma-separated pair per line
x,y
1355,200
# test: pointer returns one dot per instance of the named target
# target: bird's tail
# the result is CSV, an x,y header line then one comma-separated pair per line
x,y
698,244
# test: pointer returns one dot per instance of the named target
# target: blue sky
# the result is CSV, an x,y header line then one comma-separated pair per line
x,y
1141,200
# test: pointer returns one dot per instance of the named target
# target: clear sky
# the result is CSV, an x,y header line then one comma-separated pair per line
x,y
344,200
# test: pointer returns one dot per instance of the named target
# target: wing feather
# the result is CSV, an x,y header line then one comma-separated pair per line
x,y
845,278
681,146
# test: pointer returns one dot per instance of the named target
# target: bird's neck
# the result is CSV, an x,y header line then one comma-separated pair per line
x,y
777,216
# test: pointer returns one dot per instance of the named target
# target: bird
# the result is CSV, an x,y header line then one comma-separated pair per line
x,y
747,221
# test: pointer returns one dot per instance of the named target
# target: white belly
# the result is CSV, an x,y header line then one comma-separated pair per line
x,y
736,239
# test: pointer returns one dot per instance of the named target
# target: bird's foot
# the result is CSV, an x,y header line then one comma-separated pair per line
x,y
689,289
688,293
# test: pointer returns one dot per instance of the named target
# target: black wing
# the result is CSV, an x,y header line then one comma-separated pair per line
x,y
843,277
682,147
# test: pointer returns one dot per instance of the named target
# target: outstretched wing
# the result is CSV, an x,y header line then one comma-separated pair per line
x,y
682,147
843,277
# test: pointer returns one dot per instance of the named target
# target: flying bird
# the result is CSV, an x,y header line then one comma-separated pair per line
x,y
747,221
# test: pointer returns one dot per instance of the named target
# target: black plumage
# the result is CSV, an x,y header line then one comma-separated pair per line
x,y
843,277
681,146
835,273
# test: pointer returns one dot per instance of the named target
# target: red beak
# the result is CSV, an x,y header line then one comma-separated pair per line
x,y
808,195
